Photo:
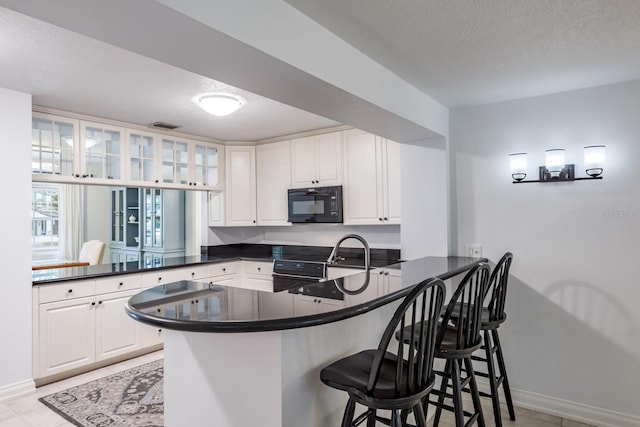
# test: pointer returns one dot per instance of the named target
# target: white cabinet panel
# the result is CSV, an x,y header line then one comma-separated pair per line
x,y
66,338
273,173
240,194
116,332
372,179
317,160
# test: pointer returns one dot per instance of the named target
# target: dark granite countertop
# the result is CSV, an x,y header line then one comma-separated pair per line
x,y
211,254
208,307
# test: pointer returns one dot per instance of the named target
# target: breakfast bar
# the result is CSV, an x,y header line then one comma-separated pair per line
x,y
236,356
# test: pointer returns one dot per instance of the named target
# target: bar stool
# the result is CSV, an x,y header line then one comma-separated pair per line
x,y
493,315
396,381
458,338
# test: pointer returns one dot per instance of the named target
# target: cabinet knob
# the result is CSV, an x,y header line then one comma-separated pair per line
x,y
254,221
159,310
159,279
382,272
70,291
85,175
99,302
93,303
224,269
120,284
386,219
193,274
77,175
159,330
379,219
386,273
259,269
156,181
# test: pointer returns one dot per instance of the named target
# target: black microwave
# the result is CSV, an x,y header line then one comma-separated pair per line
x,y
318,204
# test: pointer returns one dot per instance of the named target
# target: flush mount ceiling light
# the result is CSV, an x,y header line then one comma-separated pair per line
x,y
219,104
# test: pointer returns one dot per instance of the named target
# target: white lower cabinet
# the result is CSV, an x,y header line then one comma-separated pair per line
x,y
257,275
116,333
66,338
305,305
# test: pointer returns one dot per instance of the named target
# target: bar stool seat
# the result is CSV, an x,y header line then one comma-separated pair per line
x,y
397,381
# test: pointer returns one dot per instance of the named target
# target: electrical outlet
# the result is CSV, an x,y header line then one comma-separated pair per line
x,y
473,250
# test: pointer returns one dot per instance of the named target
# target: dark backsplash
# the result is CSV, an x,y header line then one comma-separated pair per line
x,y
354,256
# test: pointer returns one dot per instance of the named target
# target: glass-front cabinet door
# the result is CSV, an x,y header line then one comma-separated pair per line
x,y
153,218
175,162
54,148
206,166
142,158
102,153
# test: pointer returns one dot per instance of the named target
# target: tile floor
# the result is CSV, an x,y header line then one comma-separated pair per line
x,y
27,411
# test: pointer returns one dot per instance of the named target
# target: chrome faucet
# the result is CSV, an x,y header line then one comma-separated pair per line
x,y
367,257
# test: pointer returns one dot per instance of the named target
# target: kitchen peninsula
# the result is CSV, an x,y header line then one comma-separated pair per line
x,y
237,356
78,312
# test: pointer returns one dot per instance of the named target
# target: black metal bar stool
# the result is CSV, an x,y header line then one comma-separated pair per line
x,y
383,380
493,315
458,338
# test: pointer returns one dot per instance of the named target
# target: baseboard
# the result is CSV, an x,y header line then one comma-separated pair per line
x,y
17,389
572,410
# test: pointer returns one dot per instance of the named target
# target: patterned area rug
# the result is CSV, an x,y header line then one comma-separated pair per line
x,y
131,398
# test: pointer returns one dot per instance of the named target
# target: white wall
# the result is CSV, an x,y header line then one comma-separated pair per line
x,y
573,332
15,262
424,199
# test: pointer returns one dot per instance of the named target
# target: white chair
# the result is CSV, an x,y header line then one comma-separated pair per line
x,y
92,252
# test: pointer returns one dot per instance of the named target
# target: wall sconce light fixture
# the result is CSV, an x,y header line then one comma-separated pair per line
x,y
555,168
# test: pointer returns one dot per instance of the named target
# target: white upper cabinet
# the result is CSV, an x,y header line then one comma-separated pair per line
x,y
101,153
372,179
143,167
54,148
240,193
316,160
207,164
188,164
175,162
273,173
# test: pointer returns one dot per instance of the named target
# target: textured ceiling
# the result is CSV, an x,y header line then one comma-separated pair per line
x,y
460,52
467,52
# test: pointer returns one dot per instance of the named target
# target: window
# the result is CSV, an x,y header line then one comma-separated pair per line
x,y
44,222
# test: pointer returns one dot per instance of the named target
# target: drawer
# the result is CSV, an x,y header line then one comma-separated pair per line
x,y
66,291
222,268
257,267
195,272
125,282
161,277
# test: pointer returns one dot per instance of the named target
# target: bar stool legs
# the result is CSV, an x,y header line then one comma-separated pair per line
x,y
453,372
497,377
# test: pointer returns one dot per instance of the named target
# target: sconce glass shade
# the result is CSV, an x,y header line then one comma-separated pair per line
x,y
554,161
219,104
594,156
518,165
